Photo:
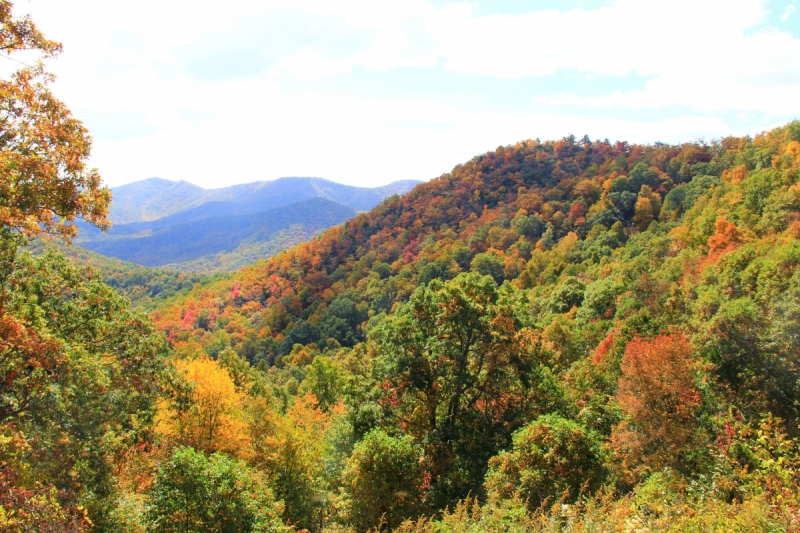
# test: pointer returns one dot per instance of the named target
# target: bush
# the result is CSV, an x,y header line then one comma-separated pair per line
x,y
384,481
195,493
551,458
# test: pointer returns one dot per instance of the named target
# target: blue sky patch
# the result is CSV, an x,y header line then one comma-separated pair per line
x,y
519,7
782,15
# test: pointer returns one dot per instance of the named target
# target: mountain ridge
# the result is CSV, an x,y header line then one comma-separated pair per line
x,y
143,201
178,225
154,245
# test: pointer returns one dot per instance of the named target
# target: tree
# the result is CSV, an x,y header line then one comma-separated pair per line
x,y
589,189
548,239
44,181
566,295
576,213
194,493
647,208
726,236
456,371
530,227
25,510
384,481
489,264
643,213
657,392
80,374
325,381
211,418
755,353
79,370
640,175
623,197
551,458
289,448
31,361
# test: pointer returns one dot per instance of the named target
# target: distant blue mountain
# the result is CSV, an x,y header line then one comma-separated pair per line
x,y
153,199
159,222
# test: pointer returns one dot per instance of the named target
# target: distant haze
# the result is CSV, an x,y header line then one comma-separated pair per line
x,y
159,222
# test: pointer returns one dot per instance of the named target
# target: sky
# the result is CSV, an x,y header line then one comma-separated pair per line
x,y
369,92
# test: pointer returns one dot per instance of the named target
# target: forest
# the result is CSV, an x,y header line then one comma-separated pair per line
x,y
556,336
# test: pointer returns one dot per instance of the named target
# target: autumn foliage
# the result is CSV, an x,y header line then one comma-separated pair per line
x,y
211,418
44,150
32,361
556,279
40,510
725,237
565,335
658,393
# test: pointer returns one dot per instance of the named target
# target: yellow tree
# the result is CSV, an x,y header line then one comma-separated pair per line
x,y
647,207
212,419
289,449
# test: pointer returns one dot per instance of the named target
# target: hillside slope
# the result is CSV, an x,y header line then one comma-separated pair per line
x,y
612,326
143,286
496,209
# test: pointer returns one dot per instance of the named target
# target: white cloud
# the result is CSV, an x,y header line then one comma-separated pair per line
x,y
240,91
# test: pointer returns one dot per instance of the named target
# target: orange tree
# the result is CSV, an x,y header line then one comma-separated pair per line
x,y
44,180
79,370
658,392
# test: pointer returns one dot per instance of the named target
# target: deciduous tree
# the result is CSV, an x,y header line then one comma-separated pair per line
x,y
212,419
657,391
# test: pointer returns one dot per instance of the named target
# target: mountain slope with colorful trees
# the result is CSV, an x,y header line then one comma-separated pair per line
x,y
554,337
613,327
528,213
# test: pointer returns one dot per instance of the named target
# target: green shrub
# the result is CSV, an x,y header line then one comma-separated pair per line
x,y
384,480
551,458
193,493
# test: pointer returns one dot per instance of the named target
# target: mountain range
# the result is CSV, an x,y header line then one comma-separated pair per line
x,y
159,222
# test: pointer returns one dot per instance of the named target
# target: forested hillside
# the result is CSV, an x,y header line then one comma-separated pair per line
x,y
553,322
142,286
556,336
